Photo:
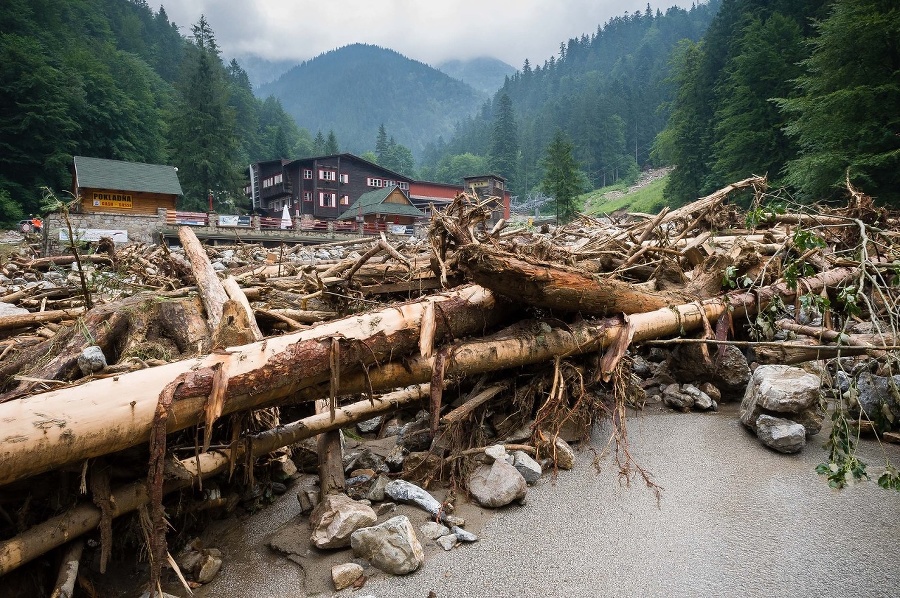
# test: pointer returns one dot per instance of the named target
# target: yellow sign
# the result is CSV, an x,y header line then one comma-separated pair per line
x,y
112,200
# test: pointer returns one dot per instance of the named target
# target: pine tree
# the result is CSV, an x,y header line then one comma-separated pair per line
x,y
381,143
504,150
331,144
319,144
563,179
202,132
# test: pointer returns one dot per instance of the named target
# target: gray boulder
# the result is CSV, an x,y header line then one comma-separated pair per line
x,y
391,546
528,467
336,518
729,373
878,396
702,401
497,485
783,391
91,360
676,399
782,435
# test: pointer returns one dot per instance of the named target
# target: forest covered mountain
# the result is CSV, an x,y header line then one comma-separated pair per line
x,y
484,73
608,91
355,89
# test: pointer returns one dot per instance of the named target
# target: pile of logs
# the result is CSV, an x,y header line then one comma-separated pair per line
x,y
199,341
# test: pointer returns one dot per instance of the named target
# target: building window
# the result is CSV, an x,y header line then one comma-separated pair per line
x,y
345,178
404,186
345,200
371,182
307,174
327,200
327,175
307,196
390,183
278,178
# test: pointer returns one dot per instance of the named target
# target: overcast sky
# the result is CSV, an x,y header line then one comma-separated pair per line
x,y
430,31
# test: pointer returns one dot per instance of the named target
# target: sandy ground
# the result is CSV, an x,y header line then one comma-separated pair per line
x,y
735,519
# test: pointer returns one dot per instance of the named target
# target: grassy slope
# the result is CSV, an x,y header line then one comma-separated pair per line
x,y
647,199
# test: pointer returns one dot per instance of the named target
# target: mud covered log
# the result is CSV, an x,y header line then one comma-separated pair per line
x,y
46,431
557,287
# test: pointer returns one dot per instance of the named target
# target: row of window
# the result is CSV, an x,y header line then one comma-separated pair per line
x,y
327,199
326,175
272,180
376,182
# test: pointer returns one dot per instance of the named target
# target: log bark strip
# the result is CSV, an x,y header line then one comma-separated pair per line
x,y
49,430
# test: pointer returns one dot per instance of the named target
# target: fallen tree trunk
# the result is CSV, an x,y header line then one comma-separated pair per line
x,y
85,517
208,284
49,430
555,287
32,319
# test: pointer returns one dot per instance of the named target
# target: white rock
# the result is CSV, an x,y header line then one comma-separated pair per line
x,y
391,546
497,485
336,518
432,530
345,574
448,542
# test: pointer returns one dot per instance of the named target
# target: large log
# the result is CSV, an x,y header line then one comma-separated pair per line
x,y
557,287
32,319
46,431
85,517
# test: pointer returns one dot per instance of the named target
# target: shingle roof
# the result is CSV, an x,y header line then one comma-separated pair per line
x,y
98,173
373,203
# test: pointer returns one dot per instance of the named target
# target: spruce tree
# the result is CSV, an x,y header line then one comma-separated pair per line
x,y
563,179
202,132
331,144
504,150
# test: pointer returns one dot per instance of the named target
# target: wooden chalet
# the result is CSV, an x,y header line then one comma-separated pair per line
x,y
491,185
118,187
321,188
383,207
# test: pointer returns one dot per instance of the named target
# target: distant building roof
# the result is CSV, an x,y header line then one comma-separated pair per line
x,y
99,173
373,203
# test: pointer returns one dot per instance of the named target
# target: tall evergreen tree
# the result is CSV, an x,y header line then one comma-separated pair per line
x,y
319,144
331,144
847,116
504,150
563,179
381,143
202,135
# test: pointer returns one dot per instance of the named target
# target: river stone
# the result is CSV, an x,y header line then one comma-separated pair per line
x,y
495,452
710,389
563,455
370,425
497,485
878,395
376,491
676,399
209,567
91,360
345,574
432,530
463,535
528,467
403,491
448,542
783,435
730,373
391,546
336,518
702,401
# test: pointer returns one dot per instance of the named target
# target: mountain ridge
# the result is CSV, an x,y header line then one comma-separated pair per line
x,y
354,89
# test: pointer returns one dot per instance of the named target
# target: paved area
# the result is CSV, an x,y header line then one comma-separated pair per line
x,y
735,519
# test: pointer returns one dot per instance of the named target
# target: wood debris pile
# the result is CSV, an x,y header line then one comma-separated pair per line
x,y
498,334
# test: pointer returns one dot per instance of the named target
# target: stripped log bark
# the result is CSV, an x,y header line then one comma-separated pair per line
x,y
85,517
46,431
